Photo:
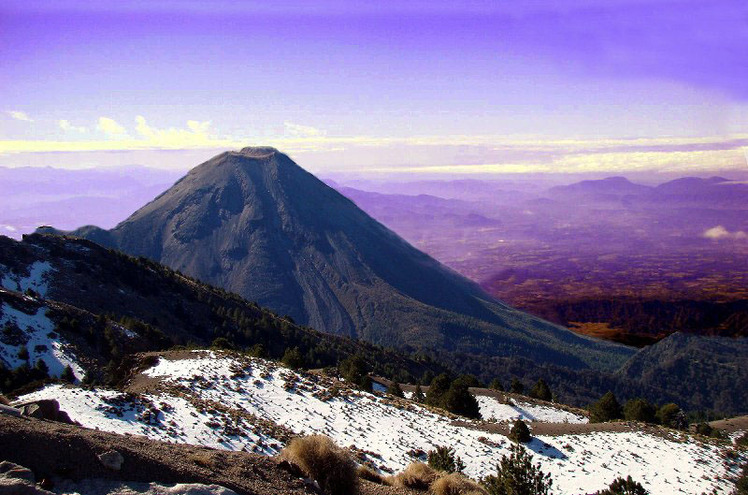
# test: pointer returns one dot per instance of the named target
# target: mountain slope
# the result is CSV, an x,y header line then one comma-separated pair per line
x,y
99,305
255,223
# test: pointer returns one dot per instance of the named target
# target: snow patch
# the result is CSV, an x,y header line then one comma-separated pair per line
x,y
494,411
38,336
37,280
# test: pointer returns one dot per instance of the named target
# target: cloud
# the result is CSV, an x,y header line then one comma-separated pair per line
x,y
297,130
196,134
15,114
66,126
719,232
110,127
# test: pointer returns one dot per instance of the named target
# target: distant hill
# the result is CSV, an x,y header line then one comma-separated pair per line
x,y
255,223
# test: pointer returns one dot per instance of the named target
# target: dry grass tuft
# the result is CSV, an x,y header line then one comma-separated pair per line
x,y
320,459
417,476
456,484
4,401
368,474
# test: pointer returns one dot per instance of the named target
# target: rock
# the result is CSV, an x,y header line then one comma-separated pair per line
x,y
11,486
112,460
9,410
41,409
10,470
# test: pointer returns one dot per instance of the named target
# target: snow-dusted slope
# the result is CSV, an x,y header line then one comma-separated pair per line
x,y
195,399
36,333
495,411
37,279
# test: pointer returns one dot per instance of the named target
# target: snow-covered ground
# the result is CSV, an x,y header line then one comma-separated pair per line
x,y
495,411
38,336
390,431
37,280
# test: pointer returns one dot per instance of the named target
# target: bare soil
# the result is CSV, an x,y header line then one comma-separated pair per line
x,y
52,449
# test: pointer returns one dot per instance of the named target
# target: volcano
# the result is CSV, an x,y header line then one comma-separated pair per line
x,y
255,223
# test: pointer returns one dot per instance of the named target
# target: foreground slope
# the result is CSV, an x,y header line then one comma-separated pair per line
x,y
232,402
255,223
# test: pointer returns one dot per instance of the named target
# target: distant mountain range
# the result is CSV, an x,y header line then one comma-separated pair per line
x,y
255,223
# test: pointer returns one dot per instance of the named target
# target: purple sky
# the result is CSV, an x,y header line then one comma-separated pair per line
x,y
348,86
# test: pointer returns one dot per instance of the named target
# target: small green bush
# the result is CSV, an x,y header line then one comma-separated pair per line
x,y
516,475
621,486
520,433
445,459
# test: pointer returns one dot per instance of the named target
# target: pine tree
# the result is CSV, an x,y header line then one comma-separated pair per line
x,y
606,409
639,410
68,375
671,416
394,389
444,459
459,400
418,395
292,358
541,391
516,475
520,433
438,387
621,486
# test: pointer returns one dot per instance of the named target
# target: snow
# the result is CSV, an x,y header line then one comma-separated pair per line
x,y
40,340
109,487
37,280
494,411
159,417
389,430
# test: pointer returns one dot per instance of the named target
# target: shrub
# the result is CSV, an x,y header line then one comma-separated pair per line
x,y
368,474
541,391
671,416
516,474
394,389
456,484
639,410
520,432
621,486
445,459
417,476
606,409
320,459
